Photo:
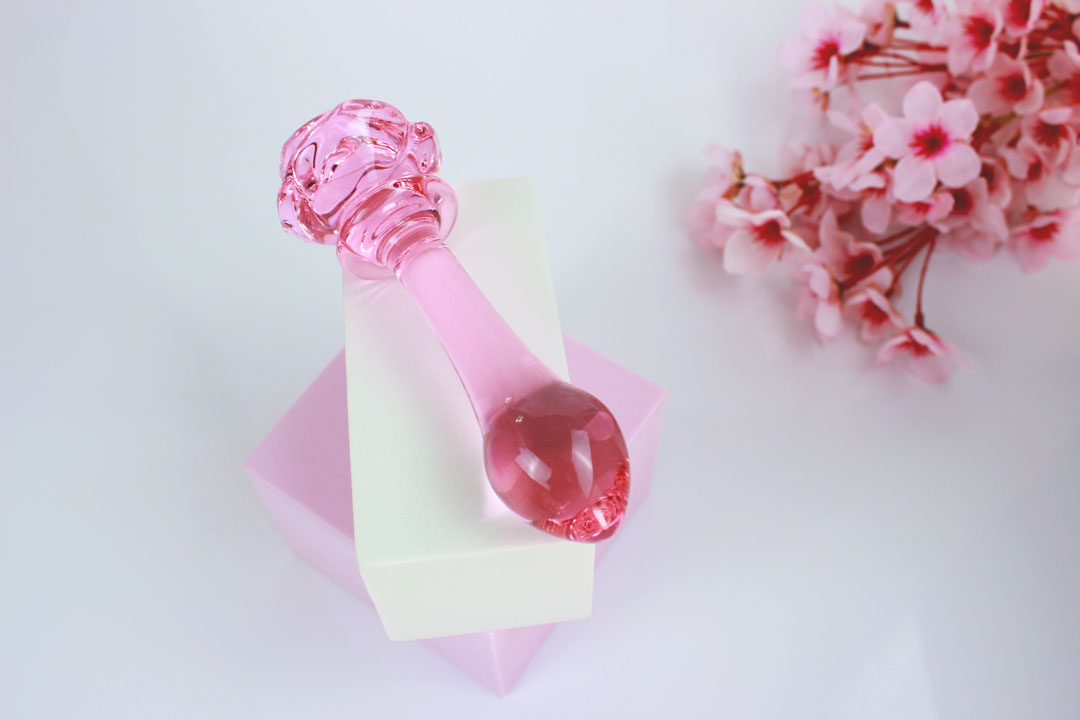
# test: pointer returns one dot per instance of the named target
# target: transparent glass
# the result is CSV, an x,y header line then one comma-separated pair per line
x,y
362,177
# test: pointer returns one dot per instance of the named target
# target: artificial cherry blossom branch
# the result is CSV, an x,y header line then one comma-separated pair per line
x,y
979,154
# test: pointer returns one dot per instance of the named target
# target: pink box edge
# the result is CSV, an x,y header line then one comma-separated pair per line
x,y
309,438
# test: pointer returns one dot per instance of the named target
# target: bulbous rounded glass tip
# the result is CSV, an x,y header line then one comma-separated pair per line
x,y
557,458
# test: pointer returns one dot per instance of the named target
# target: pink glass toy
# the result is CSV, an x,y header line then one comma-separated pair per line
x,y
362,177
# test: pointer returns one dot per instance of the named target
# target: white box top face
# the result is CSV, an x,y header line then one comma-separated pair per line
x,y
438,551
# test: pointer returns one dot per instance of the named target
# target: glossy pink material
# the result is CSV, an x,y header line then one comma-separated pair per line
x,y
553,453
567,442
301,472
362,177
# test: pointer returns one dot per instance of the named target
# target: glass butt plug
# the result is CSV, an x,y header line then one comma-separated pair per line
x,y
363,178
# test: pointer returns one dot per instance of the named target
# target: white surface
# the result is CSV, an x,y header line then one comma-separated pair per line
x,y
425,539
822,541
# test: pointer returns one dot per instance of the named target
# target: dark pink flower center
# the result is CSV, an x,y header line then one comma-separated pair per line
x,y
825,51
979,31
872,314
1072,88
769,233
1018,12
859,265
920,208
913,346
963,203
926,6
1012,88
1048,134
930,141
1035,171
1044,233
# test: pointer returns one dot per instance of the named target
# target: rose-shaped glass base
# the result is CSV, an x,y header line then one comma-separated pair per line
x,y
557,458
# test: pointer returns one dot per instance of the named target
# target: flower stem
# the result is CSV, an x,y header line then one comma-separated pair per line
x,y
913,45
895,236
902,254
922,279
903,73
898,56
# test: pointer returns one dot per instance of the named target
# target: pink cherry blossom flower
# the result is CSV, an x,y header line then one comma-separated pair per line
x,y
726,168
1051,133
807,157
1042,188
874,313
756,240
804,192
929,211
1055,234
1021,15
820,299
928,19
704,229
1064,61
998,182
931,143
876,208
857,157
1070,173
722,175
1009,86
928,357
972,206
976,225
1064,66
1025,162
843,255
971,243
974,36
1071,59
879,16
757,194
817,55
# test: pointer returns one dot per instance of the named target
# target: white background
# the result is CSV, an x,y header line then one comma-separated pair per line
x,y
822,541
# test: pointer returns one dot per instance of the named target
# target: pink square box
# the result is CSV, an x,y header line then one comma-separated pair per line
x,y
301,472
